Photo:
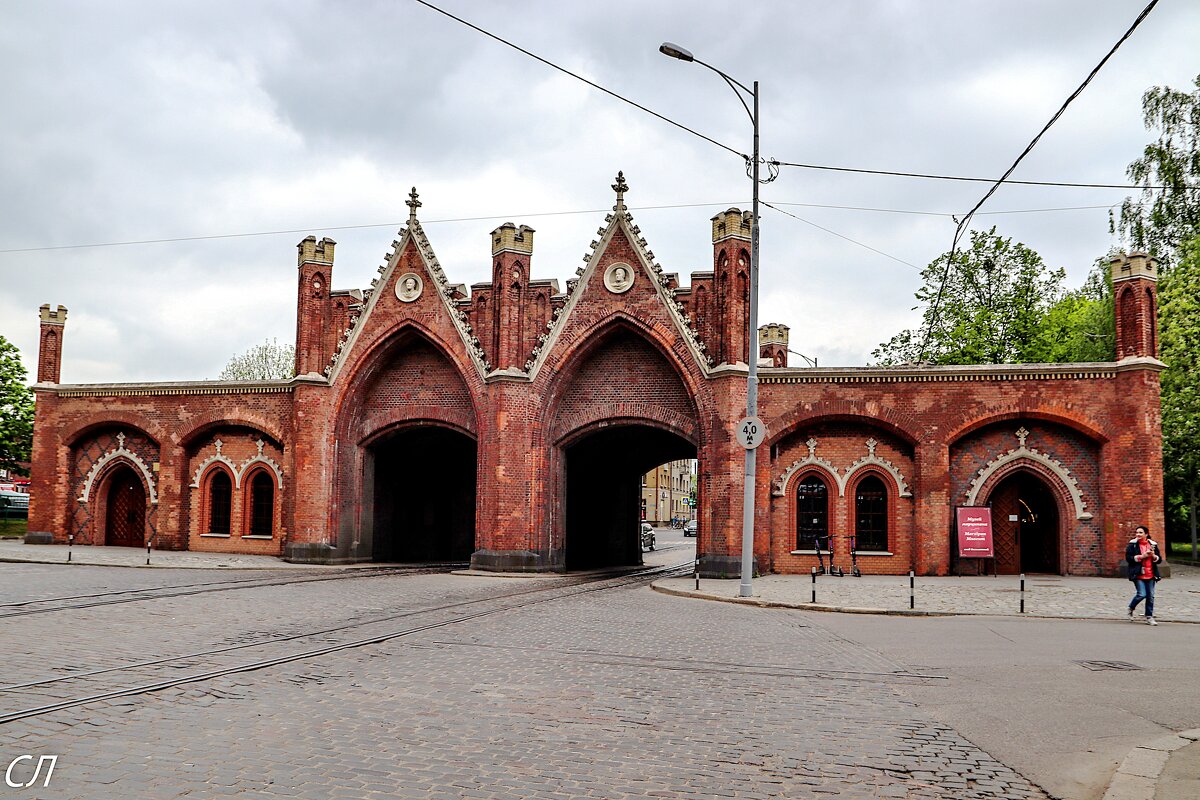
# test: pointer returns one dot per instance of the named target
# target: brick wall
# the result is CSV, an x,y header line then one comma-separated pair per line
x,y
605,360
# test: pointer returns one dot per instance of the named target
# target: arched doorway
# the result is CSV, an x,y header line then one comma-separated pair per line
x,y
604,472
125,509
1025,524
422,502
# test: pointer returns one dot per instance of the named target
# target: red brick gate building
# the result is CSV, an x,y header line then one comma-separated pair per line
x,y
509,424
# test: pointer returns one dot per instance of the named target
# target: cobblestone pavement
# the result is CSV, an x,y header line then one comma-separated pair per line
x,y
1178,597
16,550
610,694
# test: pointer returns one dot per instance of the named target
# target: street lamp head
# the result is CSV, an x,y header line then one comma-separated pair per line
x,y
675,51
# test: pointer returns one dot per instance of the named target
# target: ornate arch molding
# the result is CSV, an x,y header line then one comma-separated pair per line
x,y
112,419
870,461
119,453
239,471
779,485
371,428
1066,418
628,413
904,427
211,422
1022,456
363,367
582,345
400,425
577,345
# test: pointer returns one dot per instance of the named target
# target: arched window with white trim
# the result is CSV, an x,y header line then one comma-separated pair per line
x,y
220,502
871,514
262,504
812,513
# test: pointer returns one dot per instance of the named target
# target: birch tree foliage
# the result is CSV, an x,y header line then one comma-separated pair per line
x,y
267,361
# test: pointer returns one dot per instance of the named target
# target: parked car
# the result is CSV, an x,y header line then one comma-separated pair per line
x,y
647,536
691,529
14,505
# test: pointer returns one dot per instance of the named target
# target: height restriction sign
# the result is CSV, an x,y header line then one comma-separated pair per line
x,y
750,432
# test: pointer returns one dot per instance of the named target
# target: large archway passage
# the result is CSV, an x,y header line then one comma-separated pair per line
x,y
423,496
604,472
125,509
1025,522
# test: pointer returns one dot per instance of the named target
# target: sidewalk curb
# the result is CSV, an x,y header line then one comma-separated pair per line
x,y
65,563
758,602
1137,777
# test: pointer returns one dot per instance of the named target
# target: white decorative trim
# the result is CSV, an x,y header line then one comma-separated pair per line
x,y
208,462
620,220
238,472
872,460
1032,454
444,289
780,483
113,455
262,459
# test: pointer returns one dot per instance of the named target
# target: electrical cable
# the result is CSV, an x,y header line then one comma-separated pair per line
x,y
527,215
966,220
839,235
593,84
329,228
931,176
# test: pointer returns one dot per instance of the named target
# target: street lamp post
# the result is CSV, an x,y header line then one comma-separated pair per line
x,y
675,51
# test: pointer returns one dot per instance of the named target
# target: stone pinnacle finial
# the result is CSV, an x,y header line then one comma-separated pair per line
x,y
413,204
620,187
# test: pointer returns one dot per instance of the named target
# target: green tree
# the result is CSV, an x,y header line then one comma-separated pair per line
x,y
16,409
1166,218
1081,326
996,296
263,362
1179,345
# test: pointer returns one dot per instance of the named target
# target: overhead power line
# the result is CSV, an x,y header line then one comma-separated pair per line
x,y
932,176
966,220
578,77
524,215
330,228
840,236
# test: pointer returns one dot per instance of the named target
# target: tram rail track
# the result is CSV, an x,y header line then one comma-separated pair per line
x,y
525,598
186,590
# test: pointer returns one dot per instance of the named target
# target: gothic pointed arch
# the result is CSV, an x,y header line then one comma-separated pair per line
x,y
620,372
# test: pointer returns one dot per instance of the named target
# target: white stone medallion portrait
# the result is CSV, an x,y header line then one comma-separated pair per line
x,y
409,287
618,278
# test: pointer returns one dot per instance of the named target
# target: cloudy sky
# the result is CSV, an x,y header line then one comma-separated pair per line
x,y
130,121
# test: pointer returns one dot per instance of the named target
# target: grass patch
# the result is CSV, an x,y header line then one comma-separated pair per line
x,y
12,528
1180,550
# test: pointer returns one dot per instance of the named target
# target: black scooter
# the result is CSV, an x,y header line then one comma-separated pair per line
x,y
854,570
834,569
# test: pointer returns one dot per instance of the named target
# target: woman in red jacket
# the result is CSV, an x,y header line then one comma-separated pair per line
x,y
1142,556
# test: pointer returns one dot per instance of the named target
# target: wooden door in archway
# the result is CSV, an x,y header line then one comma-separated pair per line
x,y
125,514
1025,525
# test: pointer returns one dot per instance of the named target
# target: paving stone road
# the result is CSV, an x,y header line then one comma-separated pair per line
x,y
609,694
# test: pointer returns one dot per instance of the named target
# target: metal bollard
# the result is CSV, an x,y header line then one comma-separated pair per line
x,y
70,541
697,574
1022,592
814,585
148,543
912,590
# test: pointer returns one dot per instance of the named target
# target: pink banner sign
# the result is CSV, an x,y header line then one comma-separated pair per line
x,y
975,532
